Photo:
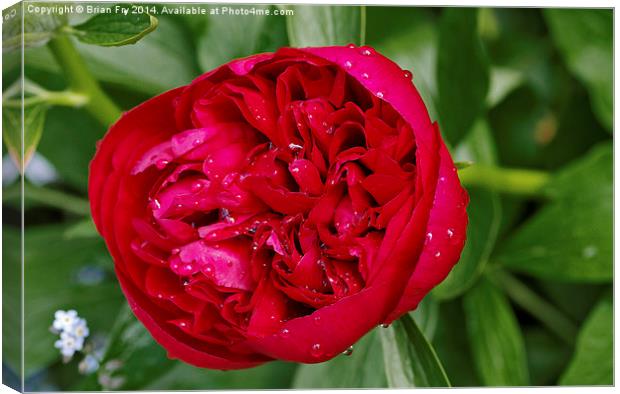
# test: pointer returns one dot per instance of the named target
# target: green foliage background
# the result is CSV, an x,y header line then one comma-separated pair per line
x,y
528,304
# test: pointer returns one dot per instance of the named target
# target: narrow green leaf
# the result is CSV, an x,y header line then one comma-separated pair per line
x,y
115,29
452,345
592,363
33,121
228,37
495,337
462,72
484,212
324,25
585,40
83,229
410,360
39,28
502,82
363,368
570,238
426,316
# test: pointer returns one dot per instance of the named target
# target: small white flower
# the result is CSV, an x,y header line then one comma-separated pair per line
x,y
80,329
64,320
68,344
88,365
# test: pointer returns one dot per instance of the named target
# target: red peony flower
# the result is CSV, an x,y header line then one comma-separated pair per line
x,y
278,207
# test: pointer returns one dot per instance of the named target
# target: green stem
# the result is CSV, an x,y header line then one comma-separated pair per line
x,y
505,180
66,98
81,81
49,197
535,305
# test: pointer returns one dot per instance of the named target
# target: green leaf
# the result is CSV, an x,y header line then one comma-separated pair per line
x,y
34,119
413,48
325,25
462,72
228,37
132,67
70,160
131,358
426,316
63,274
569,238
547,355
495,336
362,369
115,29
271,376
592,363
484,212
410,360
585,40
39,28
452,345
83,229
12,301
502,82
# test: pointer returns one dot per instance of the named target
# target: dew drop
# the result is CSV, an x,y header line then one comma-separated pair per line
x,y
196,186
197,142
438,254
348,351
351,46
161,163
365,75
385,325
315,351
429,237
284,333
367,51
407,74
348,65
295,147
175,251
450,233
317,320
380,95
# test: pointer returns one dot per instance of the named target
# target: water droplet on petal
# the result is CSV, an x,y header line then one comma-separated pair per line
x,y
438,254
380,95
351,46
450,233
196,186
366,51
407,74
365,75
317,320
348,64
348,351
429,237
315,351
161,163
385,325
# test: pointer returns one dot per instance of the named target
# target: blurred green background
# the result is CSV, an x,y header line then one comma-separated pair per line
x,y
529,303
